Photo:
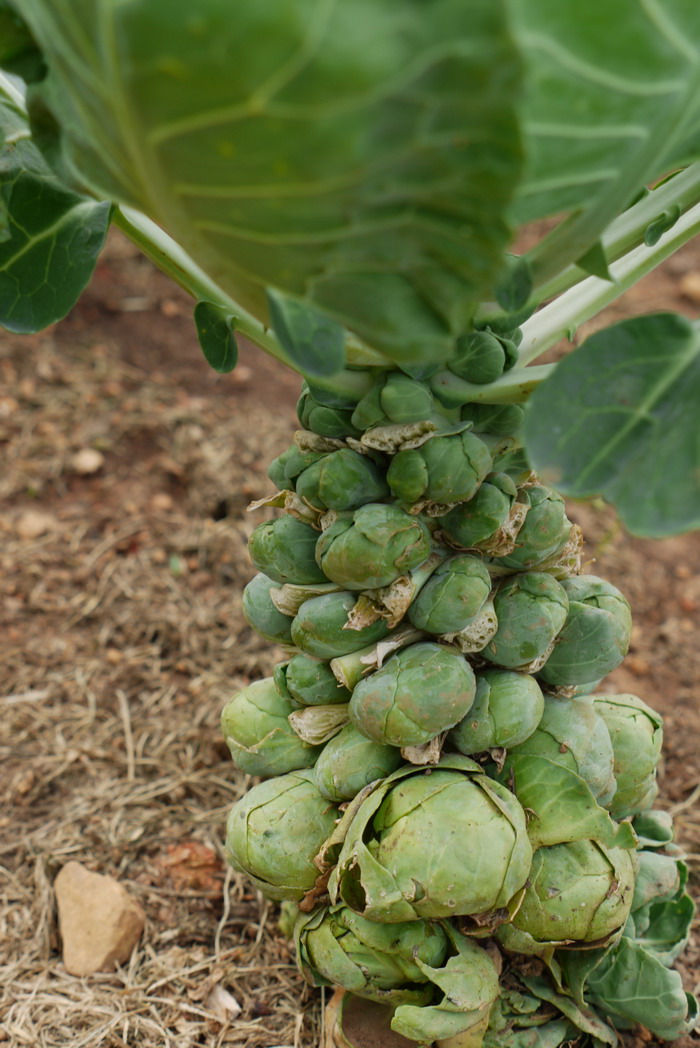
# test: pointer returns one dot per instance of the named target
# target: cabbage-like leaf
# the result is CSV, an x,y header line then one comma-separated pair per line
x,y
357,154
629,983
618,418
612,94
50,237
560,805
612,103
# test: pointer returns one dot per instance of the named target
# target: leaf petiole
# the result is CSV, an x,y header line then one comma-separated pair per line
x,y
561,318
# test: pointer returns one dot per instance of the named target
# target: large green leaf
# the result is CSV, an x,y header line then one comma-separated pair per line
x,y
607,84
50,237
612,103
358,154
618,418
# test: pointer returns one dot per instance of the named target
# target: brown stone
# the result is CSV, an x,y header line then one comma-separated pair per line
x,y
33,523
100,922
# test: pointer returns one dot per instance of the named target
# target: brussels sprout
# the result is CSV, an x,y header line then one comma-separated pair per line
x,y
531,609
346,397
284,470
284,550
276,829
342,480
637,736
444,470
261,614
545,530
572,733
577,892
320,627
507,709
327,422
596,635
313,683
480,357
433,843
350,761
405,400
475,521
257,732
452,596
372,547
418,693
369,411
503,420
336,946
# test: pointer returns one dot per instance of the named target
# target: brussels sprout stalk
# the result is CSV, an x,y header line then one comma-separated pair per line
x,y
444,797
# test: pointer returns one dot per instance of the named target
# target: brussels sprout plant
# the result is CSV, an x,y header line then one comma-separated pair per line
x,y
465,829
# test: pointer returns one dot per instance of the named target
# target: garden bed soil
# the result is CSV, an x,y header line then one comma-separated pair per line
x,y
122,637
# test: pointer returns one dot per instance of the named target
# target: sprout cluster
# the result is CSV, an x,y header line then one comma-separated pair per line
x,y
465,829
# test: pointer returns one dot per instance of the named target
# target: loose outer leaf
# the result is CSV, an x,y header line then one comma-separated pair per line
x,y
618,418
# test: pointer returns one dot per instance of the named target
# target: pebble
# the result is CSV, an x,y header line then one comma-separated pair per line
x,y
100,922
690,286
33,523
87,460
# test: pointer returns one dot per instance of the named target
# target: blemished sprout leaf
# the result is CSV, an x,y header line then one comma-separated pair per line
x,y
629,982
358,155
215,332
669,927
313,341
50,237
609,93
618,418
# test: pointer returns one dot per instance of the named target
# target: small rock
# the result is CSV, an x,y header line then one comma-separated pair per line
x,y
100,923
87,460
690,286
33,523
162,501
639,666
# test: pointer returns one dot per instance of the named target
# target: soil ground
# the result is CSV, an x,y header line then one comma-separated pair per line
x,y
121,637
